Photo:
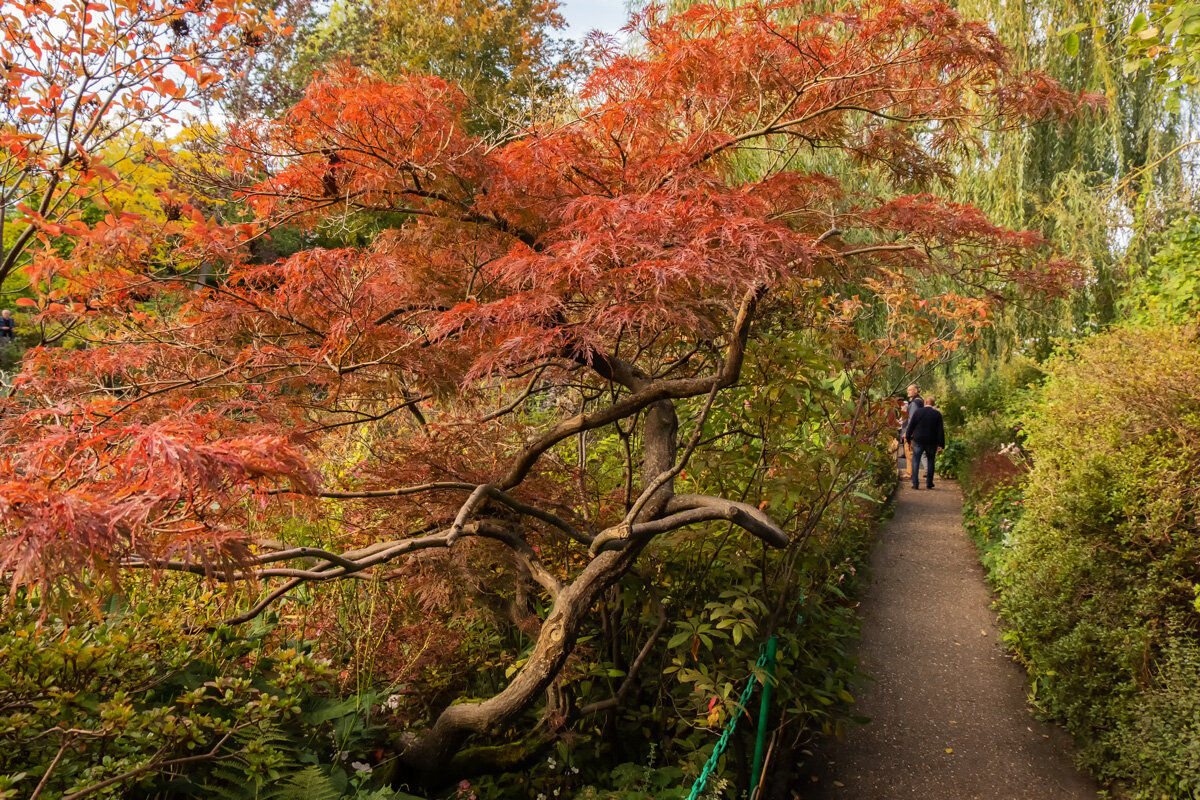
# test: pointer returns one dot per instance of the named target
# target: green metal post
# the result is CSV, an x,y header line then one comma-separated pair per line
x,y
764,710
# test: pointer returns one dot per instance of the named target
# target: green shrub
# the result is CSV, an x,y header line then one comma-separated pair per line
x,y
991,518
125,701
995,391
1098,578
1170,289
951,460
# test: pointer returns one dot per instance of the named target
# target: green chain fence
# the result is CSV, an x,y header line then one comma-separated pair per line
x,y
767,662
711,765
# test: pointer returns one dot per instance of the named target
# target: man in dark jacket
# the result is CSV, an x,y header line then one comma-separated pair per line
x,y
928,436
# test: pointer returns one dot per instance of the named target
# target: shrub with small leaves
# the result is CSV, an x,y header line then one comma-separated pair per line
x,y
1098,579
126,697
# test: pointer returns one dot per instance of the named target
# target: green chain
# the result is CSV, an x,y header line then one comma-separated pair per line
x,y
710,766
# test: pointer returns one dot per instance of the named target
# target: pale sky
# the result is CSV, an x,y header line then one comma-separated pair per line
x,y
586,15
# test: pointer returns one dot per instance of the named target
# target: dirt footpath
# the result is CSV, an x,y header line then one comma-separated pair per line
x,y
947,706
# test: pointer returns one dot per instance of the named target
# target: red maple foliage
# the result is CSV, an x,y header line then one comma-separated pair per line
x,y
574,276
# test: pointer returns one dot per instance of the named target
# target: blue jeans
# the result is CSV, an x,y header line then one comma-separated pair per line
x,y
929,451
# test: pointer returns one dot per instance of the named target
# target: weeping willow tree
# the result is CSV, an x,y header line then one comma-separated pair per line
x,y
1103,190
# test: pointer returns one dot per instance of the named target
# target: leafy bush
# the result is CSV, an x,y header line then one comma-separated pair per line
x,y
991,518
1098,579
951,460
983,451
127,699
993,392
1170,291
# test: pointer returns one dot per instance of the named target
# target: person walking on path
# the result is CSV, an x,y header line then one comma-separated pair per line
x,y
927,433
8,326
910,408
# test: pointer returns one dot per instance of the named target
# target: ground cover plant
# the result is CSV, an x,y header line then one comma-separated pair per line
x,y
503,456
128,701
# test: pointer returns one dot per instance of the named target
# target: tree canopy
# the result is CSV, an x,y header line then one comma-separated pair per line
x,y
507,56
601,272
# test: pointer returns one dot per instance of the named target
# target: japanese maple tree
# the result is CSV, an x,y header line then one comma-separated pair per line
x,y
603,272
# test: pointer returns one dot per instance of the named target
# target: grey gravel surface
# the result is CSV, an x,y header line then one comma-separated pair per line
x,y
947,705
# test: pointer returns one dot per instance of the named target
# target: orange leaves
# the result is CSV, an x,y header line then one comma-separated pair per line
x,y
104,171
516,283
629,218
163,86
97,71
85,493
385,145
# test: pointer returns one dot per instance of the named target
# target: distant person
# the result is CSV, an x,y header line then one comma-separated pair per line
x,y
927,434
909,408
8,326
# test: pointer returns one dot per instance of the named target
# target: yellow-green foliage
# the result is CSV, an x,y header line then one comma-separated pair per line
x,y
1099,579
125,700
1170,290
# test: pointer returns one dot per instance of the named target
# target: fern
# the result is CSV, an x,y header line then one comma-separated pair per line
x,y
384,794
310,783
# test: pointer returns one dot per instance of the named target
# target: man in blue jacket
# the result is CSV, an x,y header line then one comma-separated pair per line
x,y
928,436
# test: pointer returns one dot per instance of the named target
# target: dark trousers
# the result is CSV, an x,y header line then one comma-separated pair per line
x,y
929,451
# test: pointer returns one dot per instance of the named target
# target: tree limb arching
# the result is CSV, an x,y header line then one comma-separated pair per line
x,y
664,512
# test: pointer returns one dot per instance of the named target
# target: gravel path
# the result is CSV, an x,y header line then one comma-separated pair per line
x,y
947,706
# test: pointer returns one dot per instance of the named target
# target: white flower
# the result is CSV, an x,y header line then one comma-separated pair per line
x,y
359,766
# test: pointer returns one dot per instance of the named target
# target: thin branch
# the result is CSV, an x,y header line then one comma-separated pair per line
x,y
62,749
631,674
474,500
646,396
133,773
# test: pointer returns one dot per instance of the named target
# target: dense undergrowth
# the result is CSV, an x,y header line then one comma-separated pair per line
x,y
1082,494
124,702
